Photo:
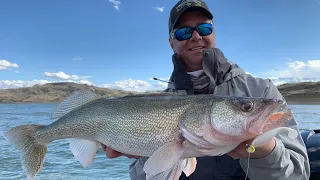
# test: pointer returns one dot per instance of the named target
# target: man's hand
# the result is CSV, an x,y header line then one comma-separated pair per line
x,y
114,154
260,152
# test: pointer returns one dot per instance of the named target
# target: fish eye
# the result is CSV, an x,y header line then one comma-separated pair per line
x,y
246,105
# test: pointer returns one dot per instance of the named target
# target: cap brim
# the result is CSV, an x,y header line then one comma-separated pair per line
x,y
192,8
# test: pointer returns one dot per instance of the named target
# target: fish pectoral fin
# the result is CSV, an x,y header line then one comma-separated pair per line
x,y
267,136
217,150
163,159
189,166
173,173
84,151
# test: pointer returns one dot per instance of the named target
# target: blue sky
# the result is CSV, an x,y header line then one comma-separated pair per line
x,y
122,44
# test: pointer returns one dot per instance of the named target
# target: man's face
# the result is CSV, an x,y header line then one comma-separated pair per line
x,y
190,51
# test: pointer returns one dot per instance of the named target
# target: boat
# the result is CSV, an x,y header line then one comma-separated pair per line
x,y
311,139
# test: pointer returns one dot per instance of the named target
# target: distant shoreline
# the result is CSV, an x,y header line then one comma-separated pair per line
x,y
305,93
306,101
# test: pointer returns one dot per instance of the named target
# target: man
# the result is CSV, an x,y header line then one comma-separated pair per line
x,y
200,67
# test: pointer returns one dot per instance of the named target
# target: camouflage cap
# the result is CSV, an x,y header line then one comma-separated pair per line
x,y
184,6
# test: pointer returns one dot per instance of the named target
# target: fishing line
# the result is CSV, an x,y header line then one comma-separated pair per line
x,y
250,149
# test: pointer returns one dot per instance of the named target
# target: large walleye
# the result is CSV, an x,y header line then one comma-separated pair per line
x,y
169,129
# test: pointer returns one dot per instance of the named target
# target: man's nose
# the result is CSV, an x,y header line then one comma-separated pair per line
x,y
195,36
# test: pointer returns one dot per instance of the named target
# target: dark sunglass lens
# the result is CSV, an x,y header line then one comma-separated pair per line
x,y
205,29
183,34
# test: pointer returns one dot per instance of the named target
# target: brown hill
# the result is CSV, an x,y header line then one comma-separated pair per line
x,y
301,93
294,93
52,92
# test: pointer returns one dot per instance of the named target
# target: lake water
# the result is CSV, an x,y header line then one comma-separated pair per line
x,y
59,162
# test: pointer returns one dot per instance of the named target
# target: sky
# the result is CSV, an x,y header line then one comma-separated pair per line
x,y
124,44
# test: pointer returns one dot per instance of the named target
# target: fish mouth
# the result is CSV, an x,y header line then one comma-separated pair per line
x,y
257,123
193,138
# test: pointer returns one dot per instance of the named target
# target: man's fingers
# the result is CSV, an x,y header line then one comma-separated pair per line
x,y
103,146
234,154
239,151
132,156
112,153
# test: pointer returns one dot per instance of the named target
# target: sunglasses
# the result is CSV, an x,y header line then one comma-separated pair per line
x,y
186,32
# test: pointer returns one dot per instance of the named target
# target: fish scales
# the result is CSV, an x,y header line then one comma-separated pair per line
x,y
140,125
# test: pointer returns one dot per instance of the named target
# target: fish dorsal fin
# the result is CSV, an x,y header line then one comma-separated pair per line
x,y
76,99
151,95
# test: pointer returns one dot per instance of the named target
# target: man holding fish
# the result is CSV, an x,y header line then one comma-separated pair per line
x,y
214,122
201,68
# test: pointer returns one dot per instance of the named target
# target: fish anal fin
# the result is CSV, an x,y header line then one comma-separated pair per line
x,y
84,151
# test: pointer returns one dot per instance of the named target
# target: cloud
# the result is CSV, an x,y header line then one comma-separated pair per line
x,y
135,85
299,69
115,3
76,59
64,76
126,85
83,82
160,9
6,84
282,80
4,65
296,71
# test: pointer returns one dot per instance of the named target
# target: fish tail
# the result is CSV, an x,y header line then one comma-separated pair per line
x,y
32,151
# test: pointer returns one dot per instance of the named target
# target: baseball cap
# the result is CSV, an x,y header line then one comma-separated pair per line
x,y
184,6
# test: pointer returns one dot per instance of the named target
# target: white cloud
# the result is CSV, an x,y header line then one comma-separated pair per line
x,y
296,71
64,76
283,80
4,65
160,9
83,82
115,3
76,59
126,85
135,85
5,84
300,69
